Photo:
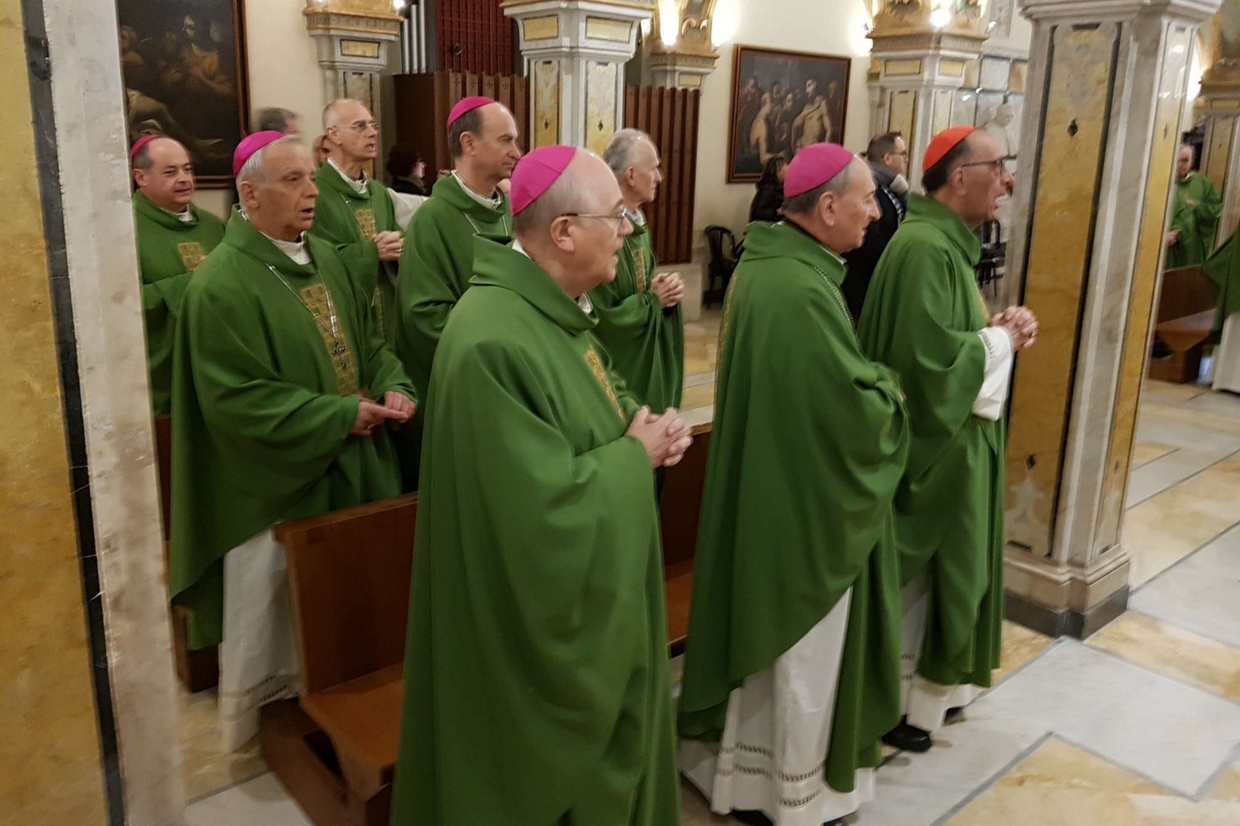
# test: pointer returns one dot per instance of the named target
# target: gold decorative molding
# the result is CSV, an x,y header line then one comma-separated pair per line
x,y
902,68
895,17
622,4
601,28
356,23
374,9
541,28
694,36
951,68
359,48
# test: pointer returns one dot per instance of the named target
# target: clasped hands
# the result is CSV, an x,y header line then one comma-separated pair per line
x,y
1021,326
396,407
391,244
669,287
666,437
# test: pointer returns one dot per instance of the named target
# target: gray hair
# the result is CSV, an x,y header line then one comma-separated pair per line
x,y
806,202
619,152
253,170
275,119
331,112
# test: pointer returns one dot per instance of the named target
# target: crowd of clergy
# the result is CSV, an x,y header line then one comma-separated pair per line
x,y
513,353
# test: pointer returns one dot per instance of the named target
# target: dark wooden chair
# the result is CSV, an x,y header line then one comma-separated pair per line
x,y
1186,306
197,670
723,260
335,748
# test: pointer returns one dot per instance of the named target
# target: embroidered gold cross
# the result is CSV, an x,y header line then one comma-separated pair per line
x,y
344,365
366,222
191,255
641,267
596,367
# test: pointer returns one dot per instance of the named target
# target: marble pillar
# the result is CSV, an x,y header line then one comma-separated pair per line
x,y
920,63
1107,87
575,53
83,186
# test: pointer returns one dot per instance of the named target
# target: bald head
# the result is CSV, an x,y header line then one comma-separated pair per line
x,y
1184,161
164,173
634,160
485,146
576,227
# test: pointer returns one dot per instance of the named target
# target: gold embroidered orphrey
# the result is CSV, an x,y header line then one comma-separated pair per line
x,y
191,255
366,222
596,367
641,268
318,302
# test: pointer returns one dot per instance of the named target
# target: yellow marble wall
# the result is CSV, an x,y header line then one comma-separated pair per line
x,y
50,772
1144,285
1073,140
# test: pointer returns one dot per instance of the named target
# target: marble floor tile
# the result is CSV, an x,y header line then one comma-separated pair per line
x,y
1165,472
260,802
1062,784
1199,594
1226,405
1227,787
695,811
702,395
1173,652
1165,528
1020,645
1166,391
204,767
1172,733
1145,452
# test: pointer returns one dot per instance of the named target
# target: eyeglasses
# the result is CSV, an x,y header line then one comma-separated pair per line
x,y
361,125
998,166
619,219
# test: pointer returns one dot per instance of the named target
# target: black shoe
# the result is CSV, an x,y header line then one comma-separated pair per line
x,y
752,818
954,714
908,738
837,822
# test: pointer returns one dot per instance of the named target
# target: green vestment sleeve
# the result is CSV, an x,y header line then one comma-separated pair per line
x,y
646,344
536,687
808,448
1223,268
1195,214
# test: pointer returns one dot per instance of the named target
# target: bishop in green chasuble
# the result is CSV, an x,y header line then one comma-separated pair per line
x,y
276,358
357,213
792,660
926,319
639,317
536,684
173,238
1196,208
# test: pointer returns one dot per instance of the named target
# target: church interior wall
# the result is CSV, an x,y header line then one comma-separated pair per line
x,y
284,71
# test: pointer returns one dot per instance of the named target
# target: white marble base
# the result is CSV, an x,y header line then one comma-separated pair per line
x,y
1200,594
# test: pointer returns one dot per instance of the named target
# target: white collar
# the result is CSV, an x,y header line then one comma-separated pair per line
x,y
494,202
583,302
296,250
636,216
357,184
186,216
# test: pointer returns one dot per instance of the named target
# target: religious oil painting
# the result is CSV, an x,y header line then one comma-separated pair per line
x,y
183,64
782,102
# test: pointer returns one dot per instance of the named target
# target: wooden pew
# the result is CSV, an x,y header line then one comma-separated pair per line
x,y
1186,307
197,670
349,574
679,508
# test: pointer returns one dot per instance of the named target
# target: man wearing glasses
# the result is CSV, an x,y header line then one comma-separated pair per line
x,y
536,685
926,318
355,212
888,159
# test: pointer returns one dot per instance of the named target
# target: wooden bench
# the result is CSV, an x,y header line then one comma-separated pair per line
x,y
197,670
679,508
1185,319
349,574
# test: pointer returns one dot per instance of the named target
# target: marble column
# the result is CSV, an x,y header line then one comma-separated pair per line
x,y
575,51
1108,81
352,38
682,58
923,57
1219,105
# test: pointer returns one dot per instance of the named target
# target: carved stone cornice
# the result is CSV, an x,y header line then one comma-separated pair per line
x,y
1190,11
370,9
966,18
931,41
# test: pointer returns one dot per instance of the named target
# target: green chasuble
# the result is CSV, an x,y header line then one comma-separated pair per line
x,y
536,684
809,445
169,249
436,267
1223,268
349,220
922,317
266,391
647,345
1195,214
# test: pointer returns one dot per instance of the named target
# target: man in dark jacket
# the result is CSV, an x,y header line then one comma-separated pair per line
x,y
888,159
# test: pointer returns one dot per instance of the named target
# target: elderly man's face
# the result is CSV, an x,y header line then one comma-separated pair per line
x,y
169,182
356,134
495,146
645,171
284,201
986,178
855,208
599,229
1184,163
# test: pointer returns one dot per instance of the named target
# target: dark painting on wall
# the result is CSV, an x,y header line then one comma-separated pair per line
x,y
782,101
183,65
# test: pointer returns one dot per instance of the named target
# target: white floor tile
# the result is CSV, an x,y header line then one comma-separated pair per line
x,y
258,802
1200,594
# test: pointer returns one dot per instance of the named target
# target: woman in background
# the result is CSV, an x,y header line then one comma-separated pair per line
x,y
770,196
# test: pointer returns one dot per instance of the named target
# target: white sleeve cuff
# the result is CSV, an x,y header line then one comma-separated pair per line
x,y
998,374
